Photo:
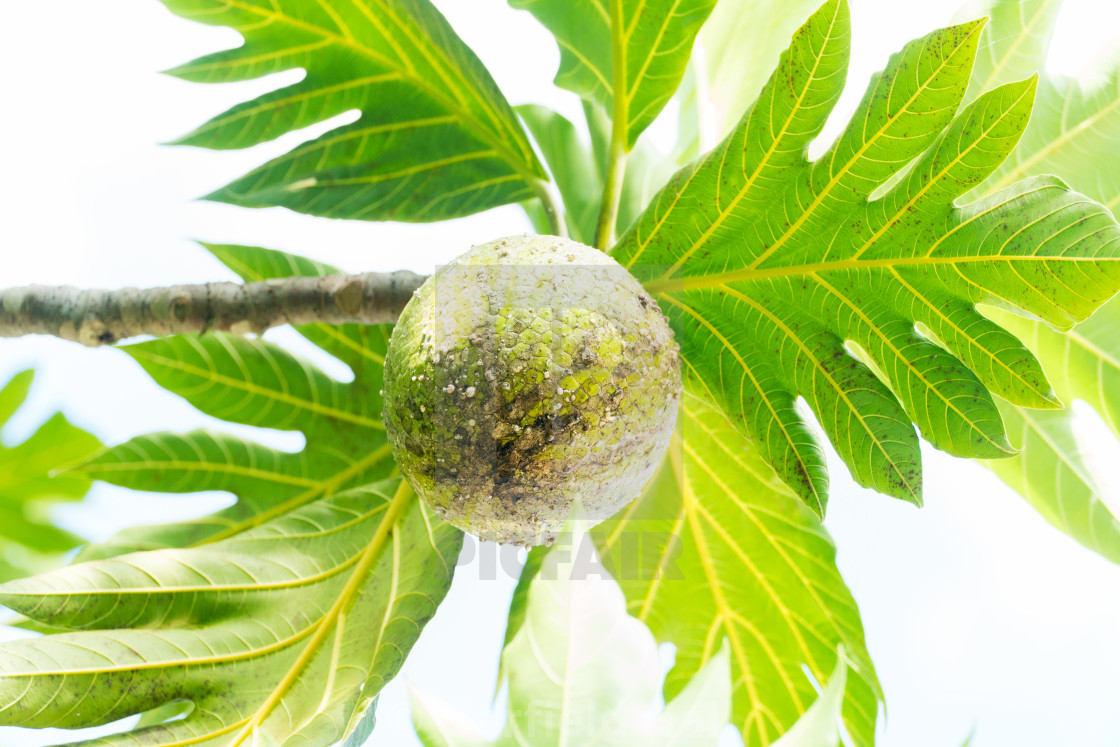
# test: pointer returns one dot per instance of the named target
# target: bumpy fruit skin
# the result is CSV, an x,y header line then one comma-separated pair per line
x,y
530,373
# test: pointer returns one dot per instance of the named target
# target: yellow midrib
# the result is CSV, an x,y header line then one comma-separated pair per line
x,y
723,278
396,509
209,467
723,609
220,588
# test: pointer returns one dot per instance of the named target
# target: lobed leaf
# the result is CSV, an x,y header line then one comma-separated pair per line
x,y
718,547
436,139
256,383
628,56
769,264
280,635
1015,41
1058,479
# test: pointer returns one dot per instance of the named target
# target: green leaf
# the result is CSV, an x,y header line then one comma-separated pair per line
x,y
256,383
280,635
582,671
718,547
519,604
626,55
1053,473
435,140
29,485
1073,133
280,618
768,263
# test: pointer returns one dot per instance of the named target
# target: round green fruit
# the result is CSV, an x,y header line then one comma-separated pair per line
x,y
530,373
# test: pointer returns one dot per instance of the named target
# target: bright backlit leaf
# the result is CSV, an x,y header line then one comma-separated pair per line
x,y
768,264
279,635
435,140
579,168
582,671
1014,43
573,167
1073,132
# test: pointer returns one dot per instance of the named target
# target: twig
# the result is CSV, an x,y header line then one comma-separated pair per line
x,y
102,317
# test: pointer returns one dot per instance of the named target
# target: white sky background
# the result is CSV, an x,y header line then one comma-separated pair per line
x,y
978,614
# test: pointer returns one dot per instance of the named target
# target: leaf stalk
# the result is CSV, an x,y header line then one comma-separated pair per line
x,y
616,155
553,209
612,195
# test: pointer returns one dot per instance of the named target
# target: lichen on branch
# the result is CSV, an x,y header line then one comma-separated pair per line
x,y
103,317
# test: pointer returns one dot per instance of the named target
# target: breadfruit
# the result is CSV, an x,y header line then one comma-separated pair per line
x,y
530,373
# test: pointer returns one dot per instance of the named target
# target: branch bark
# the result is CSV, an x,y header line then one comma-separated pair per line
x,y
103,317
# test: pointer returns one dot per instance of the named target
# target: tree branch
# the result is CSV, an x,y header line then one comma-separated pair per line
x,y
102,317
